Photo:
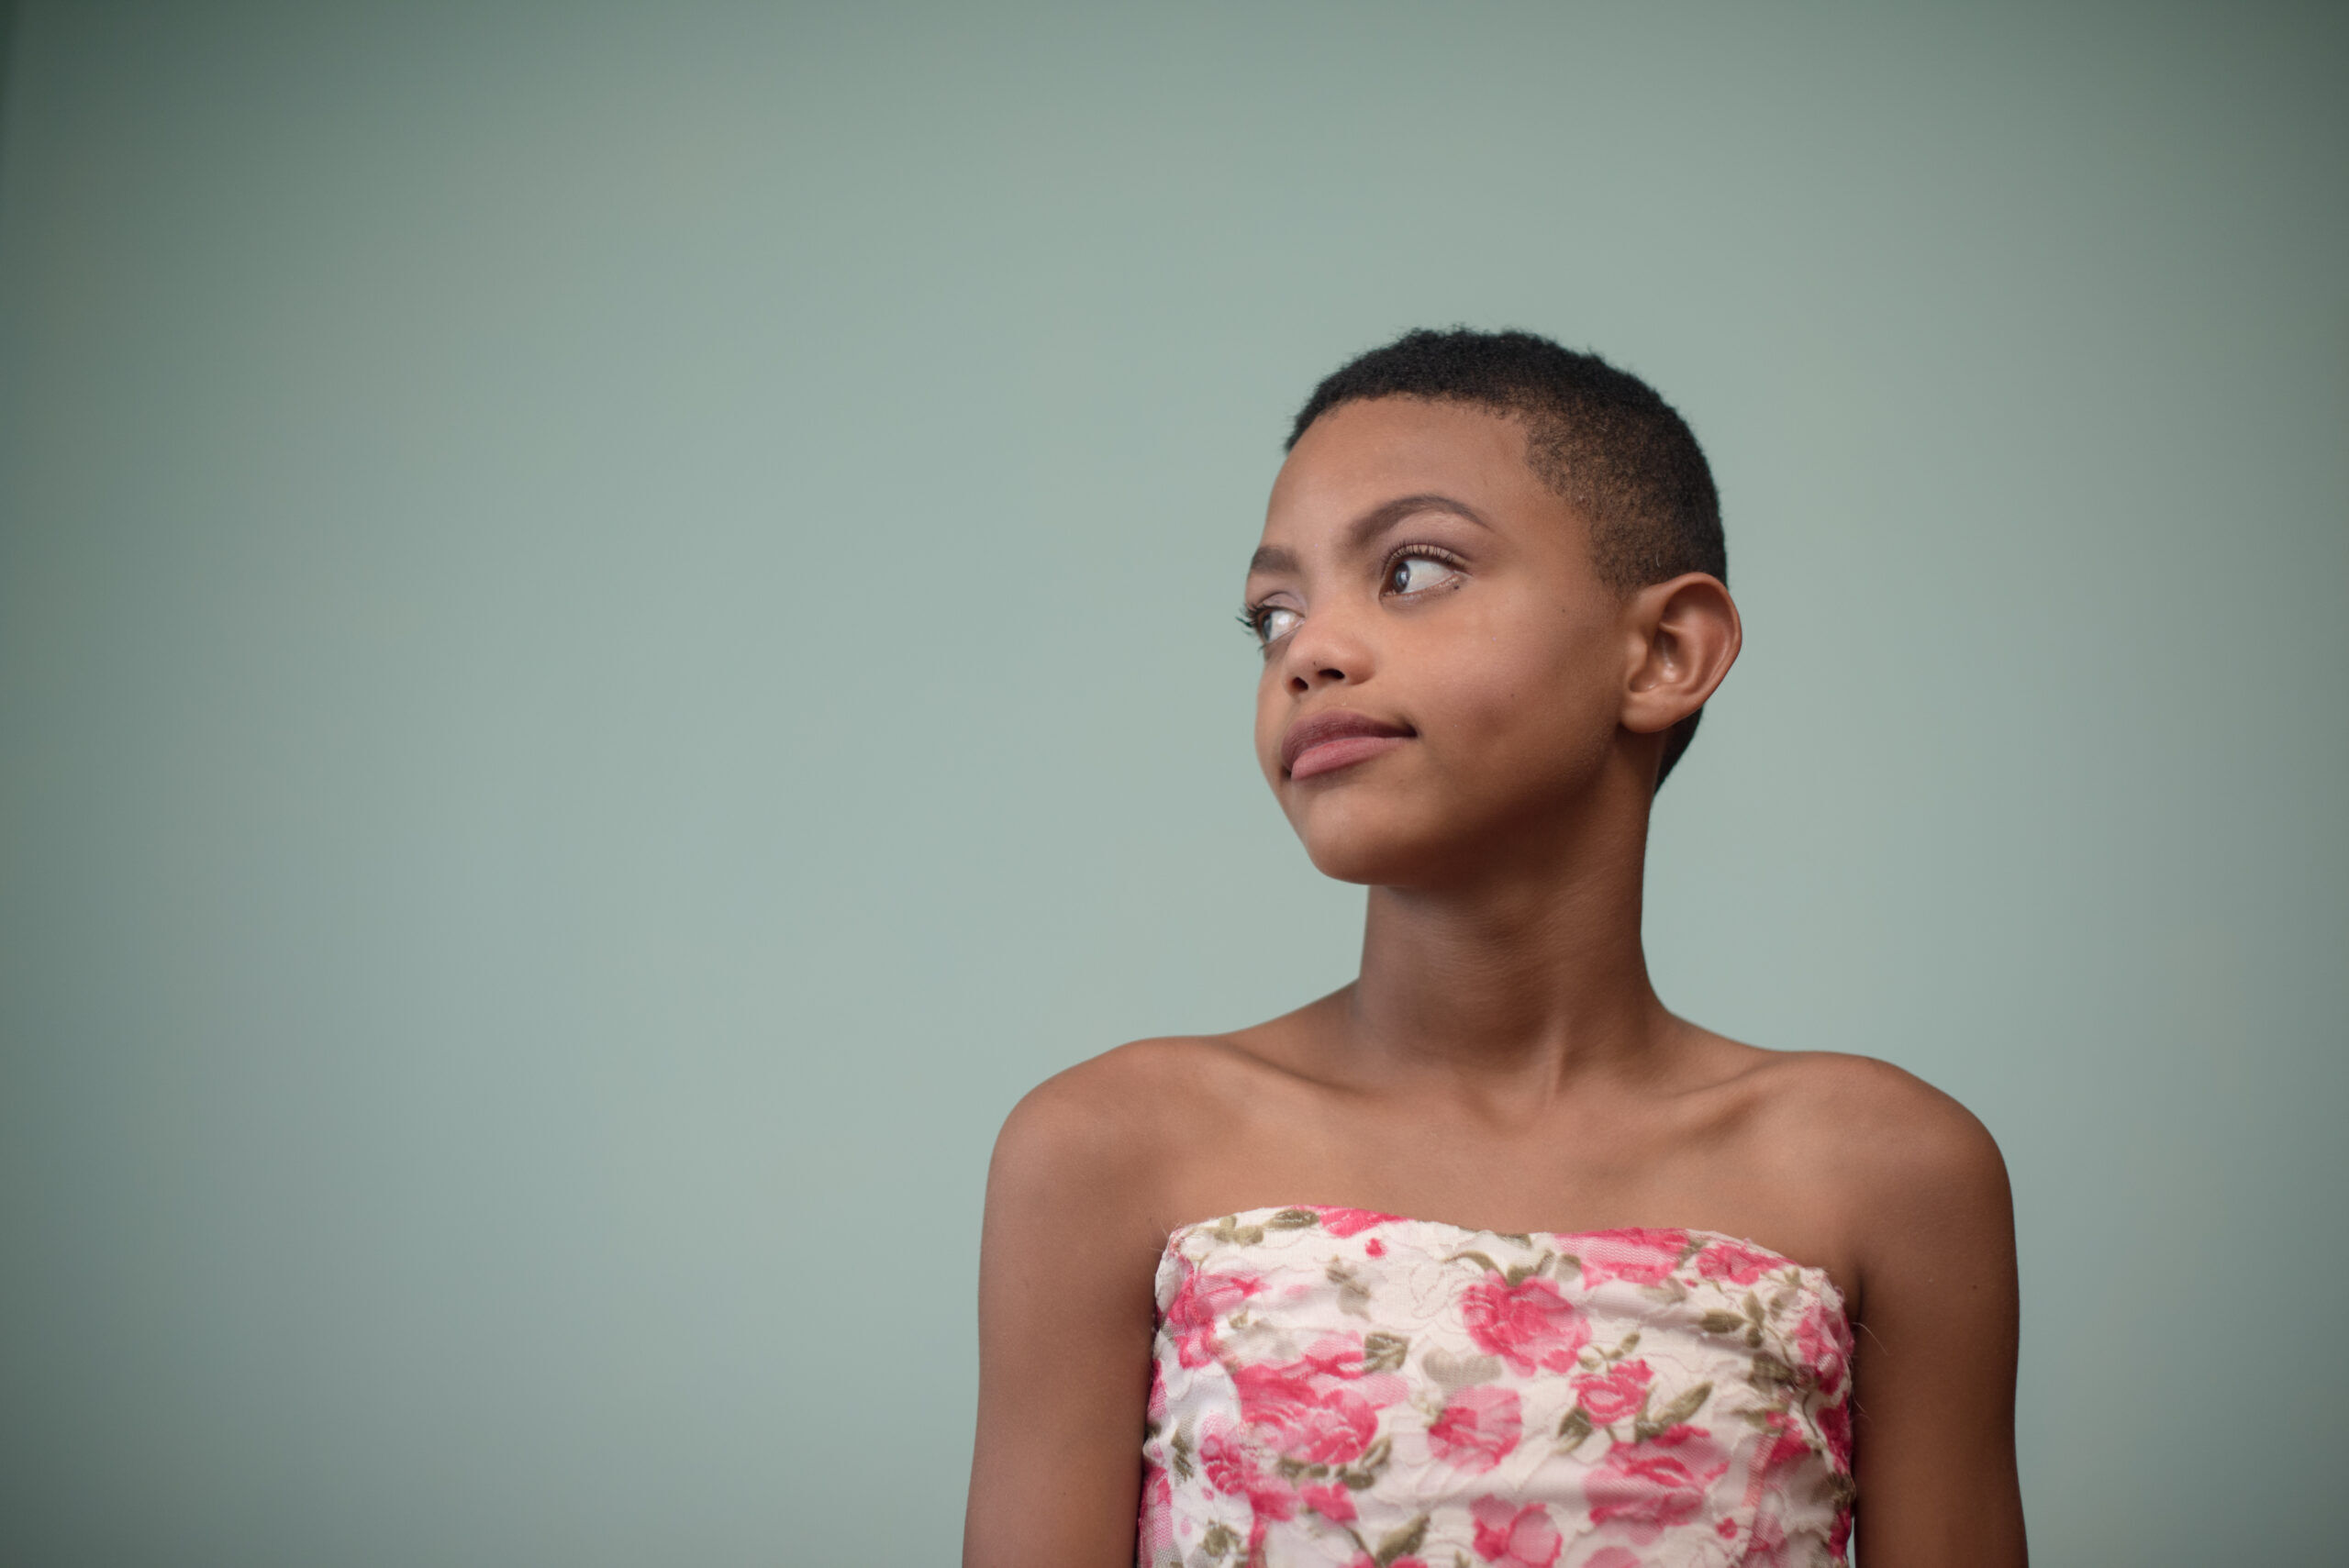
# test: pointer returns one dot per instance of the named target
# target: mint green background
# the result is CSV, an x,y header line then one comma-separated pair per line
x,y
614,632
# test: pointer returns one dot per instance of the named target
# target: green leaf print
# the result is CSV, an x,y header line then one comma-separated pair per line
x,y
1353,1296
1219,1542
1400,1540
1721,1323
1364,1475
1682,1408
1384,1351
1574,1428
1293,1219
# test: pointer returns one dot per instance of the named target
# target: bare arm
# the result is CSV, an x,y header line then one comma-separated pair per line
x,y
1067,1266
1935,1396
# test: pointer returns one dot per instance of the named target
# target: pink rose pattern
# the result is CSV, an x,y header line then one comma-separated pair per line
x,y
1351,1221
1342,1387
1478,1428
1527,1323
1515,1536
1644,1257
1653,1485
1615,1395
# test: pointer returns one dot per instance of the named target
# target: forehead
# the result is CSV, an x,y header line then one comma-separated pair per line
x,y
1360,455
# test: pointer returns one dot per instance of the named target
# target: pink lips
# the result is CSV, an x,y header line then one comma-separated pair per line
x,y
1327,741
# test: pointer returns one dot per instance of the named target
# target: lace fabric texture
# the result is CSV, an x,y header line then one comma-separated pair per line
x,y
1334,1386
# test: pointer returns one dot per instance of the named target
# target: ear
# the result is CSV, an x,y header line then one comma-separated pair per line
x,y
1684,637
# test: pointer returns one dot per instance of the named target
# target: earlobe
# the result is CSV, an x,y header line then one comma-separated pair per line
x,y
1685,636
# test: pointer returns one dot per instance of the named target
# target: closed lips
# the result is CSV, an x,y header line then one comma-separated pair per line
x,y
1323,728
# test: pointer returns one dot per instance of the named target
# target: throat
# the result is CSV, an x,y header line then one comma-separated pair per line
x,y
1551,989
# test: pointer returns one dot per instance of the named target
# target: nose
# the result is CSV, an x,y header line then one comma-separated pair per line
x,y
1326,649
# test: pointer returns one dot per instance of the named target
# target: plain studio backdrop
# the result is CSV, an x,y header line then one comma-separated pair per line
x,y
615,631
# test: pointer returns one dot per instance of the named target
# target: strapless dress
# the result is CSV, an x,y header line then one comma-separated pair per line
x,y
1334,1386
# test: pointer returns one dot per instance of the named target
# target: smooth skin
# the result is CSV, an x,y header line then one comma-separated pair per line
x,y
1502,1062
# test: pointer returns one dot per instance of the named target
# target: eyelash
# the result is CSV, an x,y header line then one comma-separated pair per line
x,y
1252,616
1423,552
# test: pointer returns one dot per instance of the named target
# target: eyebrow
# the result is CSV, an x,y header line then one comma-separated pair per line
x,y
1368,527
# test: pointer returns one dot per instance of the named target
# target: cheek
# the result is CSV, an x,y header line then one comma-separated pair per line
x,y
1532,702
1272,712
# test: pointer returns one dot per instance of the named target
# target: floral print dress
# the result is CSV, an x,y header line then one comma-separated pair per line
x,y
1337,1387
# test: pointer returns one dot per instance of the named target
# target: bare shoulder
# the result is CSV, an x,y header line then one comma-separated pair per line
x,y
1100,1136
1897,1136
1124,1104
1909,1171
1871,1111
1068,1260
1913,1188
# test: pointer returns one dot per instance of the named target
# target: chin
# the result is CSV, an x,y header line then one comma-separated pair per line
x,y
1359,842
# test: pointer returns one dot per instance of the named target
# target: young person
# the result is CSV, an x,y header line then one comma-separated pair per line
x,y
1488,1257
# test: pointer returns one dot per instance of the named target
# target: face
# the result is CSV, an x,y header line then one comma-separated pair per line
x,y
1443,670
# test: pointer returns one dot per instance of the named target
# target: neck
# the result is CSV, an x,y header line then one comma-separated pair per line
x,y
1528,974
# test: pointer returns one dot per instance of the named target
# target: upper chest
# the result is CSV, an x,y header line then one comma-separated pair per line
x,y
1717,1166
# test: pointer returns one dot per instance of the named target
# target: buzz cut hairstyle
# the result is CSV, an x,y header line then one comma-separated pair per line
x,y
1600,438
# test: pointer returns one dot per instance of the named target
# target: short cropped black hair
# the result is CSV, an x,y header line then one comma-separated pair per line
x,y
1599,437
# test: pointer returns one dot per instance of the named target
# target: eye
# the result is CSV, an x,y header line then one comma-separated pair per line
x,y
1269,623
1418,574
1274,622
